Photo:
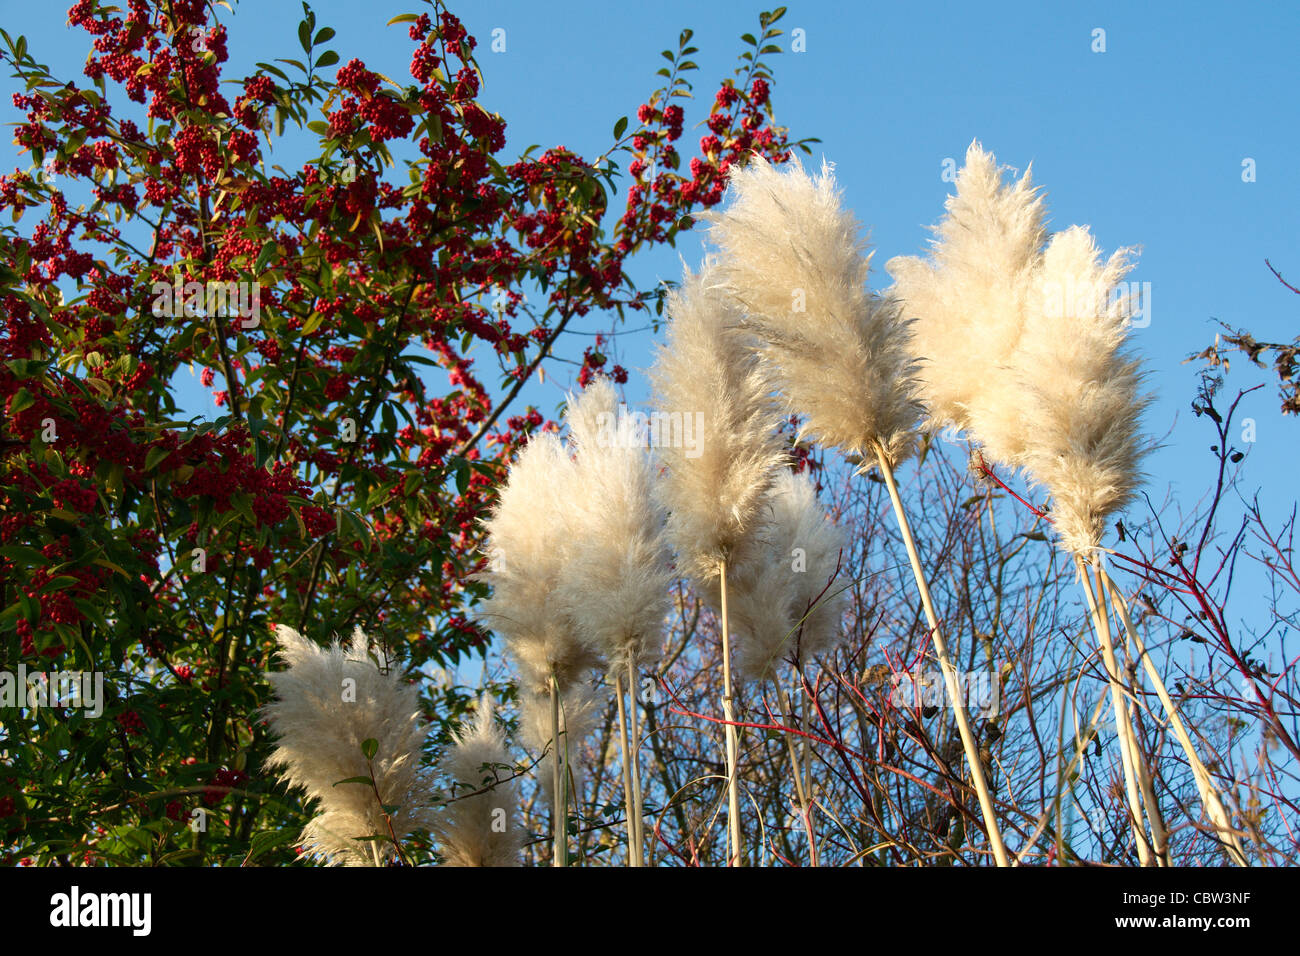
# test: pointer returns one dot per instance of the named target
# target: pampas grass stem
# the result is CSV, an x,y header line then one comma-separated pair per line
x,y
1210,798
728,713
638,817
805,811
1141,770
1123,728
632,855
1159,835
560,791
945,664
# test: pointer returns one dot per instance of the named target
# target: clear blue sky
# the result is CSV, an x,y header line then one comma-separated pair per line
x,y
1144,142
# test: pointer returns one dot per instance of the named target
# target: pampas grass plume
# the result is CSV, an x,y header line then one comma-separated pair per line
x,y
707,373
328,701
794,257
784,598
970,300
479,829
1021,343
1082,389
615,582
528,537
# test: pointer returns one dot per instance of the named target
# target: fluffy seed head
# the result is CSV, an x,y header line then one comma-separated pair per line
x,y
795,259
528,545
1082,389
615,581
479,829
327,703
785,600
1022,344
970,299
707,375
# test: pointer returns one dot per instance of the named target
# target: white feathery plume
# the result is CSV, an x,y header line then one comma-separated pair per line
x,y
717,473
1021,343
794,257
784,596
479,829
1023,346
529,543
709,376
615,581
327,703
1081,389
1082,397
528,538
970,299
1082,403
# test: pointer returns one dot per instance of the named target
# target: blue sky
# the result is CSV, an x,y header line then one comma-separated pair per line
x,y
1143,142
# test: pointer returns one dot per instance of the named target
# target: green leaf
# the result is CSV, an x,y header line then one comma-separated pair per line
x,y
24,368
115,480
620,127
27,556
326,34
369,747
243,504
22,399
156,455
274,69
59,583
270,839
304,36
403,18
365,780
328,58
263,257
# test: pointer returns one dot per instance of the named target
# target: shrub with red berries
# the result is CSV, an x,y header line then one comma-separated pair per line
x,y
357,444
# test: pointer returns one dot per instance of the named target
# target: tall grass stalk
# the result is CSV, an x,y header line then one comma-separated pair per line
x,y
1210,798
560,790
945,663
1123,726
734,843
638,807
624,752
801,791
